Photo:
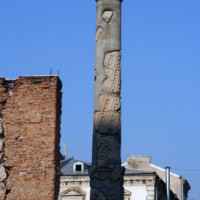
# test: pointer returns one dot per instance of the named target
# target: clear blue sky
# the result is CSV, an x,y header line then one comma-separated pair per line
x,y
160,73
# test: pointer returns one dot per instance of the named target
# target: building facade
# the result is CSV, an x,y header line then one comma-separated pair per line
x,y
138,185
178,184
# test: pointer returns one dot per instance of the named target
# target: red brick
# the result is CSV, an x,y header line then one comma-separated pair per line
x,y
31,119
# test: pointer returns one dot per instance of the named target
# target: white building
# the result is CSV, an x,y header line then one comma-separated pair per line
x,y
178,185
138,185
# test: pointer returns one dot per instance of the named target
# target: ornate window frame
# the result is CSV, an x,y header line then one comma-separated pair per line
x,y
72,189
127,194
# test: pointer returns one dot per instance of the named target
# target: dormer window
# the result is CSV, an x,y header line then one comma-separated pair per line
x,y
78,167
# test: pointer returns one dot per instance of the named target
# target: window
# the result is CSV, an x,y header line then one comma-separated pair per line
x,y
78,168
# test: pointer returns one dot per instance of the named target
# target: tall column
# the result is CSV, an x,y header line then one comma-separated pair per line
x,y
106,173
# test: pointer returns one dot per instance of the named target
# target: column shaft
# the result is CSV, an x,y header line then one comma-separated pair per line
x,y
106,173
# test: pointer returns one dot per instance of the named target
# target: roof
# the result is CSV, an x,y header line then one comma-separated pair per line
x,y
66,169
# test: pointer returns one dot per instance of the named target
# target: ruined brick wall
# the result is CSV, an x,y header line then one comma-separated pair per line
x,y
30,109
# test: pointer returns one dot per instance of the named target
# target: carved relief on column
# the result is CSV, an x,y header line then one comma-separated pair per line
x,y
108,150
109,103
112,65
97,195
98,33
107,122
107,183
106,173
107,15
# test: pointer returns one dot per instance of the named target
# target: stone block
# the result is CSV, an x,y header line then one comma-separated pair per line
x,y
149,188
150,198
3,174
2,190
1,127
1,145
151,193
1,156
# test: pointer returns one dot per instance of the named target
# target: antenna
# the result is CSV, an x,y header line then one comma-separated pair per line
x,y
64,149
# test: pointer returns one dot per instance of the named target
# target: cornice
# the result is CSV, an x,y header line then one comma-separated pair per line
x,y
128,182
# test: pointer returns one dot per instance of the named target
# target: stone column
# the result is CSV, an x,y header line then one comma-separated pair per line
x,y
106,173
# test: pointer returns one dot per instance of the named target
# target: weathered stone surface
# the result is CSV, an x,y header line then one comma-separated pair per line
x,y
107,15
2,188
107,122
31,121
112,62
106,182
1,145
112,70
108,151
1,127
3,174
2,191
109,103
98,33
95,194
107,112
1,157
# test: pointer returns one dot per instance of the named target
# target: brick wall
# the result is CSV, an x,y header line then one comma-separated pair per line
x,y
30,109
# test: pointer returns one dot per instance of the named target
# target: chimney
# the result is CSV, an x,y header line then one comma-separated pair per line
x,y
64,149
137,162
